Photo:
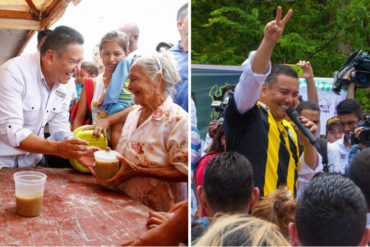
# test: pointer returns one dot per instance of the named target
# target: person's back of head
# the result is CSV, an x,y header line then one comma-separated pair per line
x,y
91,68
277,207
60,38
228,184
359,172
242,230
330,212
349,106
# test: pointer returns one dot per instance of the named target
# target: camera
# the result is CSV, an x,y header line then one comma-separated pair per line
x,y
219,105
360,60
220,101
364,136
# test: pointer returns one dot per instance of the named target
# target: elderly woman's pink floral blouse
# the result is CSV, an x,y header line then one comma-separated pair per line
x,y
160,141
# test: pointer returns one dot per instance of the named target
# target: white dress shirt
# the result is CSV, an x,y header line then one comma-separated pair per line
x,y
26,106
248,90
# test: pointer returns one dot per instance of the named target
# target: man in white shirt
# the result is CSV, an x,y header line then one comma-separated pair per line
x,y
34,91
349,113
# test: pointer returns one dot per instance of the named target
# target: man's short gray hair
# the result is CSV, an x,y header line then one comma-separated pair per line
x,y
183,11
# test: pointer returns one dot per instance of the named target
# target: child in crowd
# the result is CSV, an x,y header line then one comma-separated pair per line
x,y
277,207
88,70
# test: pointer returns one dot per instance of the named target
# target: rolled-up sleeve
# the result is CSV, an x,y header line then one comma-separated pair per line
x,y
12,131
248,90
177,144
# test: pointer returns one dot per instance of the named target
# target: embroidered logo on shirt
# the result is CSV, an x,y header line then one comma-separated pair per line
x,y
60,94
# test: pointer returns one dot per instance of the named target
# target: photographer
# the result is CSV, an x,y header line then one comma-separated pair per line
x,y
219,106
349,113
360,139
356,71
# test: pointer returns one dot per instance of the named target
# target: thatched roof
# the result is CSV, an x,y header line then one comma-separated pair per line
x,y
21,19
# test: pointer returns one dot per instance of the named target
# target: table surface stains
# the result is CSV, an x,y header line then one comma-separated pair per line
x,y
76,211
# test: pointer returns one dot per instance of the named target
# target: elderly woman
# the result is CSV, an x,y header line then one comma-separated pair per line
x,y
153,141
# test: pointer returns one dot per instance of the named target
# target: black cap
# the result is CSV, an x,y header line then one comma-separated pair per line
x,y
161,44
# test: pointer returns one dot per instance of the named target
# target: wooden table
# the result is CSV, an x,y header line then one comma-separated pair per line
x,y
76,211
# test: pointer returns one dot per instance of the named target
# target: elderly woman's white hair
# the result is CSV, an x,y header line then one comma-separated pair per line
x,y
164,64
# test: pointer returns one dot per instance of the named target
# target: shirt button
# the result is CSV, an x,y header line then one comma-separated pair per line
x,y
53,109
47,110
9,126
33,107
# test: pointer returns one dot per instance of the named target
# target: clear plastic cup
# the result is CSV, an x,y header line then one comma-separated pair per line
x,y
106,166
29,192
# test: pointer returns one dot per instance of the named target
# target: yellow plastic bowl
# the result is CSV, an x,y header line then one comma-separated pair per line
x,y
87,136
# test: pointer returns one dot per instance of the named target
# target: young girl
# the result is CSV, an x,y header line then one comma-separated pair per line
x,y
113,48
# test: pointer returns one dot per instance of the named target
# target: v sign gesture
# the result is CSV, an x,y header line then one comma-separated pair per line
x,y
274,29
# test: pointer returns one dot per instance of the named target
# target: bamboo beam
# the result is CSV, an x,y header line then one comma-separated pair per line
x,y
33,8
10,14
52,12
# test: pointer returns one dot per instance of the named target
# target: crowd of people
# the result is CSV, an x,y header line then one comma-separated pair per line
x,y
261,180
138,101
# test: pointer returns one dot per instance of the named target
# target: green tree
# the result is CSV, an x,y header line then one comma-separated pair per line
x,y
324,32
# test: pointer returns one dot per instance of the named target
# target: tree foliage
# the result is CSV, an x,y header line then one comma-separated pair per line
x,y
323,32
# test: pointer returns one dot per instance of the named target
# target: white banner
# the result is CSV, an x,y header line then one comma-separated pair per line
x,y
328,100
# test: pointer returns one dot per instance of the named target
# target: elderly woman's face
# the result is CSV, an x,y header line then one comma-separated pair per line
x,y
141,86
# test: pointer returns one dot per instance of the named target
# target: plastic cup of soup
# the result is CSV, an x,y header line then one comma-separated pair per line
x,y
106,166
29,192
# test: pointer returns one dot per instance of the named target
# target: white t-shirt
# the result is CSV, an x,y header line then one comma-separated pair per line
x,y
98,112
338,154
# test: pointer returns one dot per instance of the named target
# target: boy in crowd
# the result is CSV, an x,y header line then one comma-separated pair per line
x,y
88,70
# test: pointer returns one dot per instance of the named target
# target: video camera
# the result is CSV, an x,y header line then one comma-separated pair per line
x,y
360,60
219,105
364,137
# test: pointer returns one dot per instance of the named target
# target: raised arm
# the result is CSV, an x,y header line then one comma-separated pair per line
x,y
272,33
307,74
257,67
351,86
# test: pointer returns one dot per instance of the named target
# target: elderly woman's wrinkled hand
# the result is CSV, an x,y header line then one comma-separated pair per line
x,y
127,170
157,218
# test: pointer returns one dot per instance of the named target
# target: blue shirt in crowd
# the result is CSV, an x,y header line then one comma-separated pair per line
x,y
181,96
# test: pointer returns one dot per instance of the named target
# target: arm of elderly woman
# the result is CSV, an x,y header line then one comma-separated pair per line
x,y
171,232
129,169
103,124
